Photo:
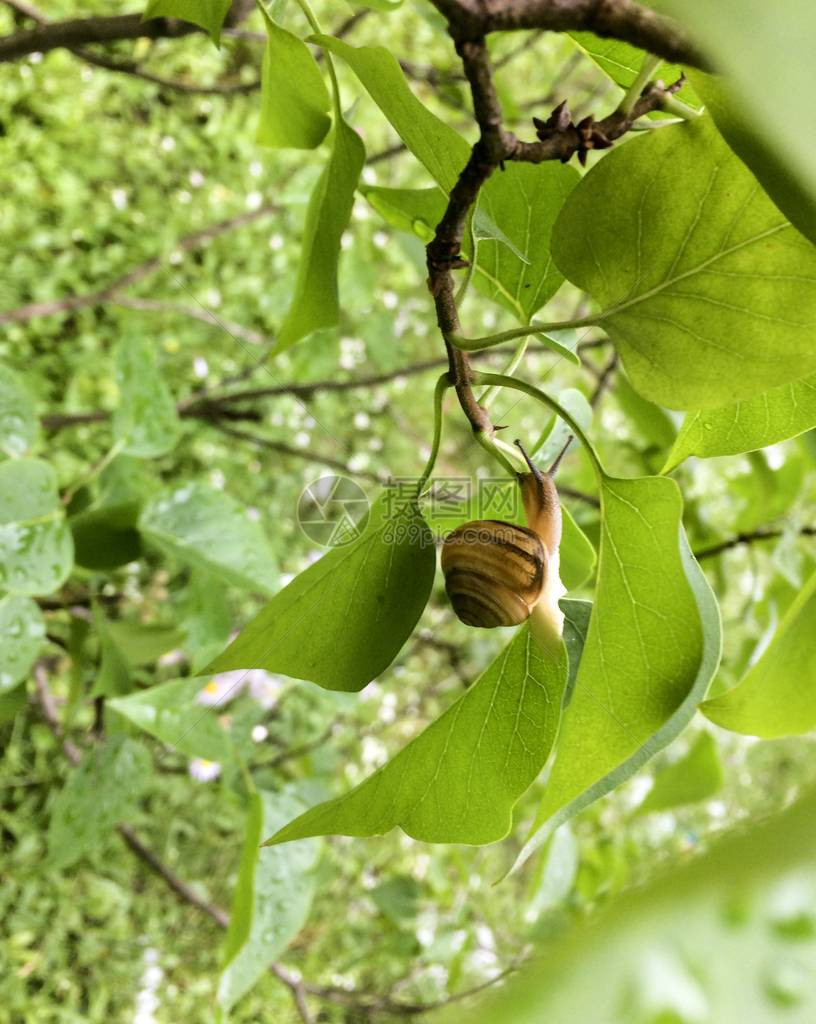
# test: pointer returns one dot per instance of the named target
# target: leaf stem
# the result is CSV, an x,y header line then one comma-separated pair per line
x,y
442,385
477,344
315,24
496,449
632,95
672,105
500,380
489,394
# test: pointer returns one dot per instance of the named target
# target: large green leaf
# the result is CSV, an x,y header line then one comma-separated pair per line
x,y
209,14
19,425
765,52
273,895
145,422
176,714
36,551
315,302
524,200
208,529
726,937
707,292
746,426
439,148
22,629
99,792
343,620
695,776
459,780
652,648
294,98
777,695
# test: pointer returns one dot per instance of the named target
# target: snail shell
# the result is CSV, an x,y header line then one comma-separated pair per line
x,y
494,572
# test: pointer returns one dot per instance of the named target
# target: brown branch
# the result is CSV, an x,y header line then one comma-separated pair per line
x,y
208,406
604,380
615,19
81,31
751,537
558,138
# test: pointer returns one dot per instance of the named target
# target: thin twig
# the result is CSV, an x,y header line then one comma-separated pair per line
x,y
750,537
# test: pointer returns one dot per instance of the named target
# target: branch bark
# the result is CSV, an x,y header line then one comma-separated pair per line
x,y
615,19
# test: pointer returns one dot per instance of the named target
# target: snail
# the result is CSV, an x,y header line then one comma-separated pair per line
x,y
499,573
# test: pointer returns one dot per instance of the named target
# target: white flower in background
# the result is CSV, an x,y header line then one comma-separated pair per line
x,y
259,733
203,770
253,200
222,688
147,1002
168,143
196,179
119,198
263,688
200,367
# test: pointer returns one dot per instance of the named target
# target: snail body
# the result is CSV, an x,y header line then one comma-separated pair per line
x,y
500,574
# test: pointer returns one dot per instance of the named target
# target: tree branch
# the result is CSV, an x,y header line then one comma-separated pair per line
x,y
55,35
751,537
615,19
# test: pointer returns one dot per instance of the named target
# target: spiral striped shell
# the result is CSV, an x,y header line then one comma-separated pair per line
x,y
494,572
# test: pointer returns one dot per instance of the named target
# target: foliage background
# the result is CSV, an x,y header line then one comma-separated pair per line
x,y
103,171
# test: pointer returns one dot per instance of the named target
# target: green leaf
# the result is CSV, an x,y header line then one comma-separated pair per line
x,y
101,791
11,703
294,98
105,532
577,615
19,426
773,416
459,780
524,200
113,677
652,423
143,644
177,714
272,899
398,899
315,303
36,551
205,618
208,14
208,529
22,630
705,941
695,776
342,621
439,148
106,537
622,62
653,646
145,422
417,210
709,296
765,52
777,695
577,553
